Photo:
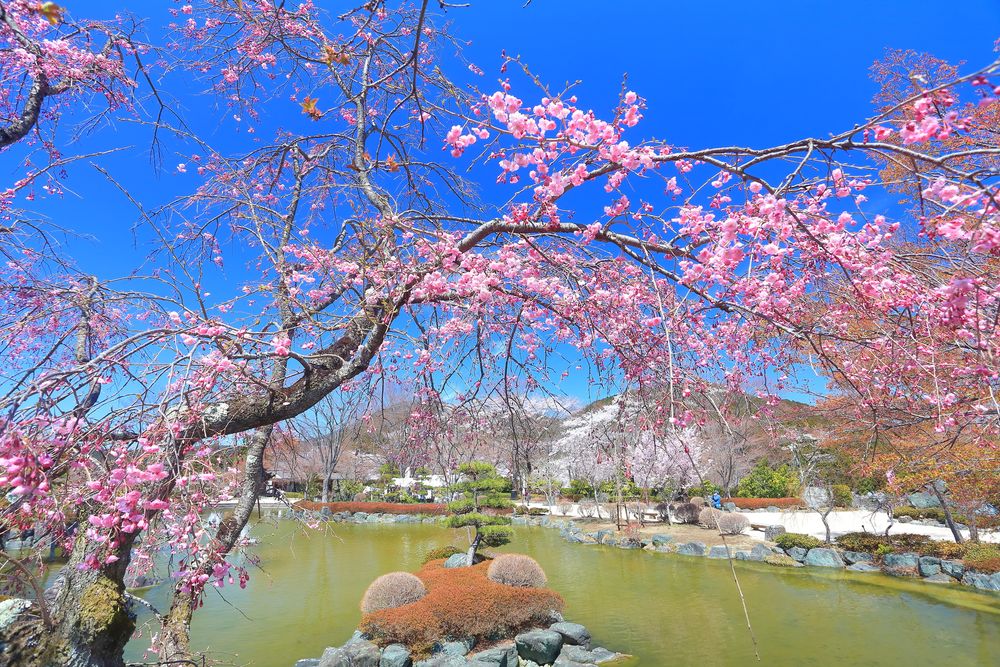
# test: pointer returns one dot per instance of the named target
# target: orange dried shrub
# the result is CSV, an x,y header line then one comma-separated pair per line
x,y
461,602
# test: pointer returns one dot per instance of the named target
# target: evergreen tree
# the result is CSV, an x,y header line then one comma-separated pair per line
x,y
482,490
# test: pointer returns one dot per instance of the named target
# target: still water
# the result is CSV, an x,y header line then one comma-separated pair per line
x,y
664,609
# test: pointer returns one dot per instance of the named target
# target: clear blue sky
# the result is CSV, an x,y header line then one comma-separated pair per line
x,y
714,73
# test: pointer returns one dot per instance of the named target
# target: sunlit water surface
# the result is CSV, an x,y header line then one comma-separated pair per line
x,y
664,609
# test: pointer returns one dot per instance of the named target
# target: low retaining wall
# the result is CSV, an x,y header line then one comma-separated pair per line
x,y
561,643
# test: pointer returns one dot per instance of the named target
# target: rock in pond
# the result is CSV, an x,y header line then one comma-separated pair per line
x,y
982,581
798,553
541,646
308,662
573,634
771,532
691,549
823,557
953,568
862,566
498,656
781,560
455,648
395,655
759,552
719,551
659,539
441,660
577,654
457,560
857,557
929,566
355,653
901,564
939,578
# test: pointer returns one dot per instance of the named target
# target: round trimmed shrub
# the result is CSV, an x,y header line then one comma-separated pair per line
x,y
698,500
708,516
517,570
392,590
733,523
687,513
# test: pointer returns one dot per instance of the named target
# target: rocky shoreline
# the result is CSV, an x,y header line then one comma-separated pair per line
x,y
562,644
926,568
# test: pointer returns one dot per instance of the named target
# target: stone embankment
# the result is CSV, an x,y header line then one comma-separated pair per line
x,y
561,644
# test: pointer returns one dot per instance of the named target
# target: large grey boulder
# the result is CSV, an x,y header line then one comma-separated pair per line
x,y
939,578
11,609
457,560
334,656
541,646
901,564
455,648
759,553
594,656
771,532
498,656
929,566
823,557
719,551
923,500
691,549
863,567
573,634
857,557
982,581
395,655
798,553
441,660
729,507
953,568
361,653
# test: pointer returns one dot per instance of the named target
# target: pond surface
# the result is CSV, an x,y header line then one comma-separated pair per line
x,y
664,609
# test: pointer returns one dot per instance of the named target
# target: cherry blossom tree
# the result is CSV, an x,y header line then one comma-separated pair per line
x,y
370,255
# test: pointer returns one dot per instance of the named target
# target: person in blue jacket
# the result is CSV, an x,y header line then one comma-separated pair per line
x,y
717,501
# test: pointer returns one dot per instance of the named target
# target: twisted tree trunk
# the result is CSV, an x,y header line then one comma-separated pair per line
x,y
175,635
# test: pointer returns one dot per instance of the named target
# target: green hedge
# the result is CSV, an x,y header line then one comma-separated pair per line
x,y
788,540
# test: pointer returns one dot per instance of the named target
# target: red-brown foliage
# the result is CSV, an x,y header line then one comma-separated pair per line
x,y
461,602
761,503
991,565
376,508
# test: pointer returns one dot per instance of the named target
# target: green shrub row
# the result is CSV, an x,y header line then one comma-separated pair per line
x,y
789,540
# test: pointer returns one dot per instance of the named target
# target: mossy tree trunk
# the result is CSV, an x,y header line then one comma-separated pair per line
x,y
91,619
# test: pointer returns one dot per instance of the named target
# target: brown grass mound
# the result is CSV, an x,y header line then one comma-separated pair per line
x,y
708,516
461,602
732,523
392,590
517,570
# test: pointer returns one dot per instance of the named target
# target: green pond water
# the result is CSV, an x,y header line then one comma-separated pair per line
x,y
664,609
